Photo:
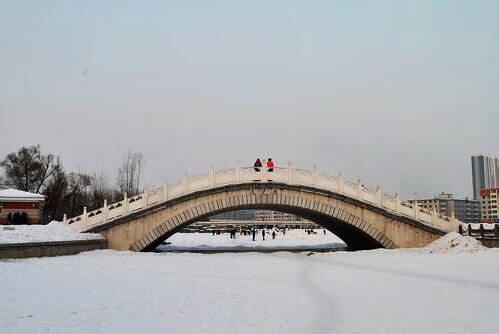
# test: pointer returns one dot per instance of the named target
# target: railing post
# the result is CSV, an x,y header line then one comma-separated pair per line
x,y
378,196
289,172
125,205
359,190
186,183
146,195
238,172
64,218
85,217
104,211
314,175
434,214
415,207
165,190
340,181
481,231
212,177
397,202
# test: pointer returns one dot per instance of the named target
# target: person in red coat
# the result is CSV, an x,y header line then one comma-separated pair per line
x,y
270,165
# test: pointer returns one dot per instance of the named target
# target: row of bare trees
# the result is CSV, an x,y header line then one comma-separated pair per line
x,y
29,169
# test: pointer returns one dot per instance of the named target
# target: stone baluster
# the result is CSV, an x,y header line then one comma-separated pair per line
x,y
378,196
434,215
146,197
104,211
238,172
85,217
125,204
314,175
415,207
165,190
452,220
212,177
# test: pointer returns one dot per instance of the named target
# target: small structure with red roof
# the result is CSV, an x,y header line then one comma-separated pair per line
x,y
20,207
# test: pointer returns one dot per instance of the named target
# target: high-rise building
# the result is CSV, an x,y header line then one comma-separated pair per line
x,y
489,207
465,210
485,173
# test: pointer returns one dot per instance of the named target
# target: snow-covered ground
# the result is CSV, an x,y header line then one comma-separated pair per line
x,y
54,231
441,289
293,239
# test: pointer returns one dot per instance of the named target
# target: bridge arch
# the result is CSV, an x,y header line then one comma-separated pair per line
x,y
360,225
356,232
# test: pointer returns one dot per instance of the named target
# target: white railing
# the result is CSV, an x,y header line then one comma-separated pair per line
x,y
238,175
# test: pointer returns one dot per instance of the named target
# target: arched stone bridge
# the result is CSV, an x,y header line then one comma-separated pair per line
x,y
364,218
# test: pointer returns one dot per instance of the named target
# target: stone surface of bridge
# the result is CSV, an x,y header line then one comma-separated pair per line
x,y
363,217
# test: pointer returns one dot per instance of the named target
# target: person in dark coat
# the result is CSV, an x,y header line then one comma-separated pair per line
x,y
254,233
257,165
263,235
273,234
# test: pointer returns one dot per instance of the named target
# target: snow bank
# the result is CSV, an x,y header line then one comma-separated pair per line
x,y
54,231
454,242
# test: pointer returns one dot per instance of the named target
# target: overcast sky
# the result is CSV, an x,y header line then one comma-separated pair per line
x,y
396,93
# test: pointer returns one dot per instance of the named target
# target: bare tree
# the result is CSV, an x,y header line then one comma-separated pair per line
x,y
129,174
29,169
99,190
54,193
77,193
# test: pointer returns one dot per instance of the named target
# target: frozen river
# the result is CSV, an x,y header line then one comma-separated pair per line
x,y
380,291
292,240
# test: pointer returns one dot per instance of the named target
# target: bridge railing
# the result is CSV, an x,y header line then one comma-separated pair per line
x,y
237,175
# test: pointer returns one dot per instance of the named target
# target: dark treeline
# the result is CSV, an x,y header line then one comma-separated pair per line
x,y
29,169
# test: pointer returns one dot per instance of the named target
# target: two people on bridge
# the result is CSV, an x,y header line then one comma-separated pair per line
x,y
258,164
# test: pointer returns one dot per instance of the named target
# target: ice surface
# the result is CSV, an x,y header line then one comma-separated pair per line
x,y
293,239
54,231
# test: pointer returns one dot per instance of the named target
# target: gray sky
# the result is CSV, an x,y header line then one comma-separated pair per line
x,y
396,93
